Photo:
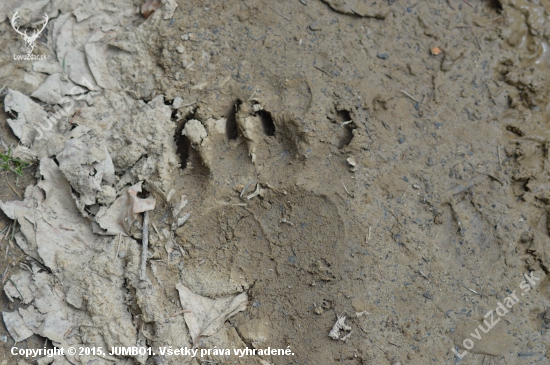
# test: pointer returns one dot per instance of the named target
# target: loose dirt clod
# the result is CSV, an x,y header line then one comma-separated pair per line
x,y
340,327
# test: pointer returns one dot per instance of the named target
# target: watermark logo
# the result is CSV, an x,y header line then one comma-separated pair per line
x,y
25,144
63,109
30,40
501,310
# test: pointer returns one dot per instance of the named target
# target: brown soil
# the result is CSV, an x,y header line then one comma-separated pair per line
x,y
404,190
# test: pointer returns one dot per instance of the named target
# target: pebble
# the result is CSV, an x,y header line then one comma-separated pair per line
x,y
383,56
176,104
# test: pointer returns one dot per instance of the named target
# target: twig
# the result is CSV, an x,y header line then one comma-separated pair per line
x,y
320,69
279,14
7,233
498,151
369,232
346,189
180,312
11,187
74,116
145,244
460,188
118,246
397,219
13,229
255,193
17,288
467,3
409,95
156,230
473,291
246,187
5,275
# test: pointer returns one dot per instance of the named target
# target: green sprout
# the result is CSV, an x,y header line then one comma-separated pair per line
x,y
14,165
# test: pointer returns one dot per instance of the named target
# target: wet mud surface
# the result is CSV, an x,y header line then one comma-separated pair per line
x,y
382,161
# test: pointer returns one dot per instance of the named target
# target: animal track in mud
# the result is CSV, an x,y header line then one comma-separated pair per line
x,y
267,122
284,249
344,119
232,132
285,246
284,237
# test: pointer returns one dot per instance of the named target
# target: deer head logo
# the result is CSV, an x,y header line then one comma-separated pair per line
x,y
29,40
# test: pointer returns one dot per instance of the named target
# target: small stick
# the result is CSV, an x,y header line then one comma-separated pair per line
x,y
15,285
13,229
7,233
498,151
188,104
473,291
320,69
67,333
369,232
255,193
467,3
156,230
346,189
246,187
4,275
451,5
145,244
11,187
74,116
180,312
397,219
409,95
280,14
118,246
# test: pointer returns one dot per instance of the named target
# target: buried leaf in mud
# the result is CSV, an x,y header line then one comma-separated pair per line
x,y
208,315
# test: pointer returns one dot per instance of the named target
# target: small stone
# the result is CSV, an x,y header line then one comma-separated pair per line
x,y
195,131
352,161
180,49
177,103
416,186
383,56
431,161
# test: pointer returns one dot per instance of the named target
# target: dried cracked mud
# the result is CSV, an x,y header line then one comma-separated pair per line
x,y
298,162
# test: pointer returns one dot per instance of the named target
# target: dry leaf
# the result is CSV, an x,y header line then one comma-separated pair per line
x,y
208,315
436,51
